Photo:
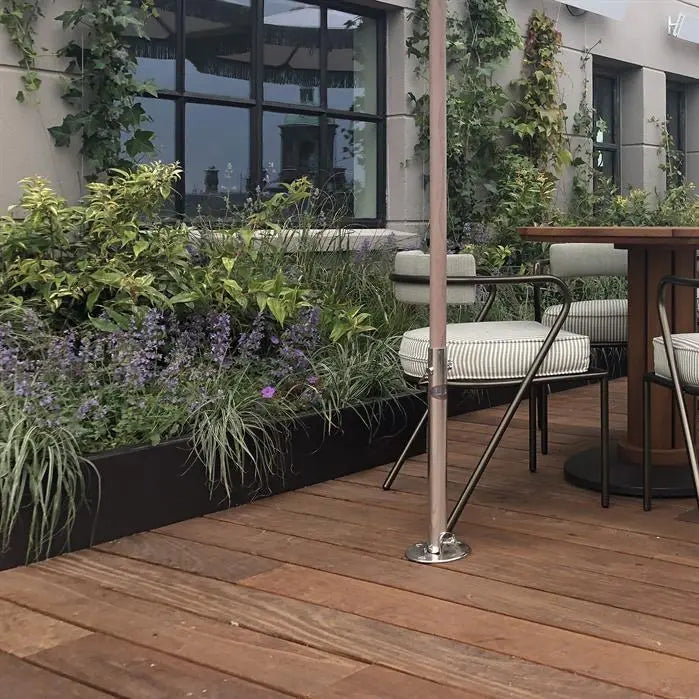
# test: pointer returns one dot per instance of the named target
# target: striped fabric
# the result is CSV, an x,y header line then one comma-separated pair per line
x,y
686,348
496,350
602,321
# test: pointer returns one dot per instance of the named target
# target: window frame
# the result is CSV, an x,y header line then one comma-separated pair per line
x,y
608,146
257,105
681,143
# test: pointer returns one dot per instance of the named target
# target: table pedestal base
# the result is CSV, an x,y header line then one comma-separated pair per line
x,y
583,470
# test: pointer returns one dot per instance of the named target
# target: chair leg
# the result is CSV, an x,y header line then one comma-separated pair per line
x,y
604,427
647,494
688,437
401,459
532,427
543,410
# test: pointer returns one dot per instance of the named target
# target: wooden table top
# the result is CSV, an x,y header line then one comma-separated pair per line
x,y
621,236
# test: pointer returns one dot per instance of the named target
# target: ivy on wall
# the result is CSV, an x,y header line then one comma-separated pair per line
x,y
19,17
102,90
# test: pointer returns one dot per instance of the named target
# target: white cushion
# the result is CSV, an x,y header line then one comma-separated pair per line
x,y
587,260
415,263
602,321
496,350
686,348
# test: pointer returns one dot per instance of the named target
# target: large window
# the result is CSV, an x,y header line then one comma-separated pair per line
x,y
605,132
675,120
256,93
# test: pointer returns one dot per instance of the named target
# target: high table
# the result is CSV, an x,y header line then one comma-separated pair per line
x,y
654,252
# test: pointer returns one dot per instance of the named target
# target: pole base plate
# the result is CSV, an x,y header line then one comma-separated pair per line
x,y
451,549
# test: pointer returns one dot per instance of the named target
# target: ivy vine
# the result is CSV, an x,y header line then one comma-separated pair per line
x,y
539,115
102,89
19,17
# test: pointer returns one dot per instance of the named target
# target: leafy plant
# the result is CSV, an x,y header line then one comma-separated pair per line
x,y
19,18
102,91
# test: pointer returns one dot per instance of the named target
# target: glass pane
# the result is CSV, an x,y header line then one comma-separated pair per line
x,y
162,124
604,162
217,158
603,103
351,62
674,110
290,148
218,45
353,176
291,52
156,53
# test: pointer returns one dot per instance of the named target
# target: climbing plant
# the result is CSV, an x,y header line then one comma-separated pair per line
x,y
478,43
102,89
19,18
538,122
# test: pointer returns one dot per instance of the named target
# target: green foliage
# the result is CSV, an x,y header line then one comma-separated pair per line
x,y
19,18
538,123
476,46
102,90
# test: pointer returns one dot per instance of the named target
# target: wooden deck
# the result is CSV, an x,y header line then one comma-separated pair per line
x,y
308,594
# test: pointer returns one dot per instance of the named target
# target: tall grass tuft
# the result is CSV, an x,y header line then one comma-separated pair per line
x,y
40,470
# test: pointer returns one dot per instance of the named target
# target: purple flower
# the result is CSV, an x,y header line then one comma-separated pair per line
x,y
220,336
268,392
312,380
250,344
297,344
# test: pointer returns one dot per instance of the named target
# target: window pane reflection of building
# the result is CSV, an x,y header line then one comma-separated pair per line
x,y
217,155
291,52
155,53
218,45
353,177
351,62
290,148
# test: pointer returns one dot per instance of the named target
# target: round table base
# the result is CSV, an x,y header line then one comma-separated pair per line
x,y
583,470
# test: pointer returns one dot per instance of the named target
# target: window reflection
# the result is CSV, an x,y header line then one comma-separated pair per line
x,y
218,45
290,148
351,62
352,180
155,52
216,155
291,52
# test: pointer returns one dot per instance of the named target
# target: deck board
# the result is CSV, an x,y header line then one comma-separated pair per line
x,y
308,593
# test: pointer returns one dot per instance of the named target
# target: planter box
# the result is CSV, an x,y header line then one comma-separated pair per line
x,y
148,487
144,488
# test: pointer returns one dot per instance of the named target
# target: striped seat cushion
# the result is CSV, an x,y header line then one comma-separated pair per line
x,y
602,321
686,348
496,350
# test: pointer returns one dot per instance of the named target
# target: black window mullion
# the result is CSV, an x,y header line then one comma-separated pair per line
x,y
181,42
181,187
381,147
324,164
257,88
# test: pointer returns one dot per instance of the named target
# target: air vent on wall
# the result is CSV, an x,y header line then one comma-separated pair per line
x,y
614,9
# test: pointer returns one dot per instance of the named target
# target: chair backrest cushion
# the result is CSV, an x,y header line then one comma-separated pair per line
x,y
417,263
587,260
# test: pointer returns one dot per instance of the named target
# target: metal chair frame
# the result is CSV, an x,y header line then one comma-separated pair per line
x,y
542,395
677,387
526,385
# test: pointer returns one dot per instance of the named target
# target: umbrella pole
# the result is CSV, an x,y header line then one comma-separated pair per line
x,y
441,545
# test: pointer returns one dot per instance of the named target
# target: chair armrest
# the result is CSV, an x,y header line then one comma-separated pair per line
x,y
665,284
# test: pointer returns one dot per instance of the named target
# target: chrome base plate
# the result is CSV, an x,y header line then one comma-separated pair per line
x,y
451,549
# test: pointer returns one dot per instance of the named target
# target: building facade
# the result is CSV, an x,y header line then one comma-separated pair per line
x,y
256,93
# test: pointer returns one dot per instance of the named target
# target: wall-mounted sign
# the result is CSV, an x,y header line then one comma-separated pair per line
x,y
614,9
684,27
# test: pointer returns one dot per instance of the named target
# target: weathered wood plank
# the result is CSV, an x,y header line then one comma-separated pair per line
x,y
443,660
142,673
22,680
23,632
630,627
217,641
616,663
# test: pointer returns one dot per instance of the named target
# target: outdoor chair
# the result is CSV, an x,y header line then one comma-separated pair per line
x,y
604,321
675,366
489,354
